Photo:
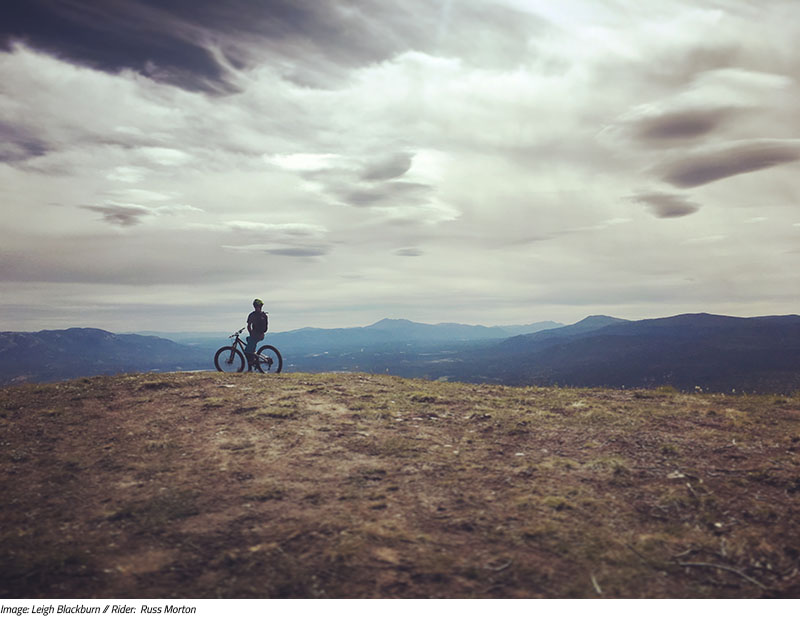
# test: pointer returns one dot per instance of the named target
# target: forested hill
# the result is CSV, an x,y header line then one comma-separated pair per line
x,y
52,355
710,352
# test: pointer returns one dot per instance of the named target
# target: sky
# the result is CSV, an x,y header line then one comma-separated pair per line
x,y
163,162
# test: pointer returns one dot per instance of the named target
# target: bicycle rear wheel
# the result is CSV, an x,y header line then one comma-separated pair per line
x,y
268,359
229,359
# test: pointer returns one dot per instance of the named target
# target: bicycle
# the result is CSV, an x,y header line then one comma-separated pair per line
x,y
231,358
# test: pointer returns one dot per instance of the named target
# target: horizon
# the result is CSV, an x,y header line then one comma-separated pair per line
x,y
399,319
489,162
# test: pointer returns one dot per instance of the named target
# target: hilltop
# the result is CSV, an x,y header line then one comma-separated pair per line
x,y
352,485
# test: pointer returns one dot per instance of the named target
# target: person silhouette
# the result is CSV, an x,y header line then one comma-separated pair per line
x,y
257,325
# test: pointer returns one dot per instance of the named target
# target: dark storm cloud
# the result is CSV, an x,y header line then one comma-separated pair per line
x,y
196,44
120,215
664,205
111,36
699,169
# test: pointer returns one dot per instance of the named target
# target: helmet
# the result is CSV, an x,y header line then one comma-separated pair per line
x,y
258,302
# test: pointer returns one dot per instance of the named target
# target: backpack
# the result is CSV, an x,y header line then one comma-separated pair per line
x,y
260,319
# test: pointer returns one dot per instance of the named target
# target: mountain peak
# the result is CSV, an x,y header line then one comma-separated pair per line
x,y
390,323
600,319
594,321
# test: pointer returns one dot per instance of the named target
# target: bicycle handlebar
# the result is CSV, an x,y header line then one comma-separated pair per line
x,y
234,334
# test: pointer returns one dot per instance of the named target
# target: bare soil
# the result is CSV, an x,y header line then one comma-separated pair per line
x,y
363,486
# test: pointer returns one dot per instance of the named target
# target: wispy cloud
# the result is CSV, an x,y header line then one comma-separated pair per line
x,y
409,252
667,205
669,127
288,230
699,168
298,252
121,215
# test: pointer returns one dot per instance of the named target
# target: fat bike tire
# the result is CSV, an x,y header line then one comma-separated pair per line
x,y
271,352
229,359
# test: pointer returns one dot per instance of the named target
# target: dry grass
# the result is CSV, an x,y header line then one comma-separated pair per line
x,y
298,485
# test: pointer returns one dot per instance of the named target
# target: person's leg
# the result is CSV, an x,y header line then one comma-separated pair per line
x,y
250,350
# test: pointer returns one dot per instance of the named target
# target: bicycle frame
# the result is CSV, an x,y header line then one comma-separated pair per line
x,y
238,342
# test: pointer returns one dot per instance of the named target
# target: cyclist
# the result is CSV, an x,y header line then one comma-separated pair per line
x,y
257,325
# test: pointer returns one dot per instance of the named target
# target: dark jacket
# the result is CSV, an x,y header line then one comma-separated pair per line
x,y
257,323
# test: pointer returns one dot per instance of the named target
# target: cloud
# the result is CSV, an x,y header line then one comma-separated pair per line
x,y
294,252
164,156
409,252
139,195
305,162
177,209
206,46
664,205
298,252
718,163
121,215
680,125
288,230
139,35
487,141
127,215
18,144
381,194
387,167
369,182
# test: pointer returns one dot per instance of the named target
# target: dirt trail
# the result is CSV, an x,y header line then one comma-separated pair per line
x,y
297,485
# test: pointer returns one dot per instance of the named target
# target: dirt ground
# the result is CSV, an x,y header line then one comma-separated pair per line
x,y
344,485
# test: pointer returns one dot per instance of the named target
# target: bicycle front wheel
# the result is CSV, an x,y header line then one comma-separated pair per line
x,y
269,359
229,359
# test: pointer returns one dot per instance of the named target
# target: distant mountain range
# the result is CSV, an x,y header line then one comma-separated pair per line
x,y
398,331
53,355
714,353
385,331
